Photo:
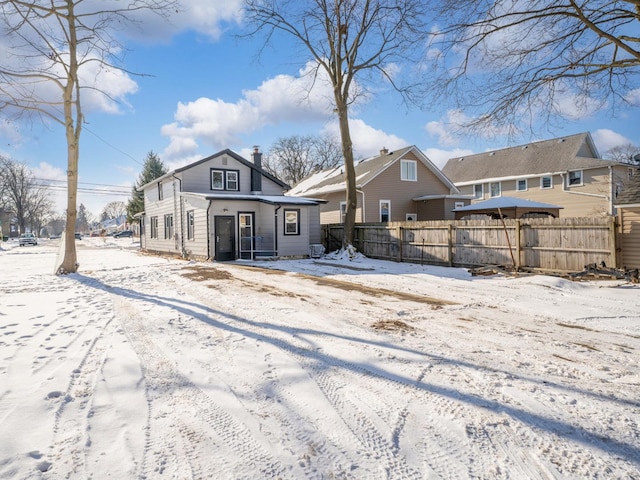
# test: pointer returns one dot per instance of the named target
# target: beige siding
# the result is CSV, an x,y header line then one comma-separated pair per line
x,y
388,186
592,198
330,211
630,237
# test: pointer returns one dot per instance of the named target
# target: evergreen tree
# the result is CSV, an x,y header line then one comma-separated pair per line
x,y
153,168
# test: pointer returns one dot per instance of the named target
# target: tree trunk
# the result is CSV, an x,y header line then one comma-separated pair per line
x,y
72,130
350,173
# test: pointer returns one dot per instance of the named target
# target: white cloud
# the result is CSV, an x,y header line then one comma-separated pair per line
x,y
633,97
447,130
440,157
220,124
367,141
606,139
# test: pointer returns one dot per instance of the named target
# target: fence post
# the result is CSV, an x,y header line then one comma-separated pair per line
x,y
518,244
401,243
612,241
450,248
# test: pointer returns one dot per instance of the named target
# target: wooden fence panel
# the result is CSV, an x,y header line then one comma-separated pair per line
x,y
565,245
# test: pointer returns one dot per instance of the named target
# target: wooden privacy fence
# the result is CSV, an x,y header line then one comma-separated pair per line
x,y
555,244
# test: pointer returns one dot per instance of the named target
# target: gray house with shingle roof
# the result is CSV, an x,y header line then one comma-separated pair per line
x,y
401,185
566,171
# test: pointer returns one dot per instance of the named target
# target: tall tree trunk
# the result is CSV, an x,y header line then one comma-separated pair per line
x,y
72,130
350,173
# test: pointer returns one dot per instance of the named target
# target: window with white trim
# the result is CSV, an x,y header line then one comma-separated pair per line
x,y
168,226
574,178
190,224
521,185
225,179
478,190
292,222
343,211
495,189
546,181
408,170
385,210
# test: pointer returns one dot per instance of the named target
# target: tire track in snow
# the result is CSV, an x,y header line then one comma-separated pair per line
x,y
174,399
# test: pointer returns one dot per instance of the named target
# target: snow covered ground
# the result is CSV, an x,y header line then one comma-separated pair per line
x,y
143,367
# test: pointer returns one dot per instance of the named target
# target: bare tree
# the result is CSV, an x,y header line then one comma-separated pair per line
x,y
113,210
628,153
351,41
512,60
51,44
293,158
23,196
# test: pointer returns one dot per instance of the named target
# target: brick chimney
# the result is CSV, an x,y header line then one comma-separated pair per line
x,y
256,173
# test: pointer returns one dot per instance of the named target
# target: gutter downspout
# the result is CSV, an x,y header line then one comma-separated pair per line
x,y
275,231
209,257
181,212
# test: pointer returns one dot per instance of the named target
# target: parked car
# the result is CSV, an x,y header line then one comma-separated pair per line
x,y
27,239
78,236
124,233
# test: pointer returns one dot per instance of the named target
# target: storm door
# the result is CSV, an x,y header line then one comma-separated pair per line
x,y
225,243
247,238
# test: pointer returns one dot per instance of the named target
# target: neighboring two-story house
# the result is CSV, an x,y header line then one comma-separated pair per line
x,y
567,172
225,207
402,185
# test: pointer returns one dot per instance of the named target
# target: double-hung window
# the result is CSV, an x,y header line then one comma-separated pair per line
x,y
574,178
546,182
408,170
478,191
168,226
154,227
521,185
225,180
385,210
292,222
495,189
190,224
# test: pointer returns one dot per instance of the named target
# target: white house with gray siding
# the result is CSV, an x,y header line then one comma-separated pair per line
x,y
225,207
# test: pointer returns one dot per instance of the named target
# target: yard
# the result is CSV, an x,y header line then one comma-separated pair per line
x,y
144,367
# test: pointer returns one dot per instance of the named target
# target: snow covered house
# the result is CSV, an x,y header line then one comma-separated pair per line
x,y
225,207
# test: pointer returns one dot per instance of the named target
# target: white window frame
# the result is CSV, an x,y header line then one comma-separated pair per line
x,y
479,194
574,183
153,225
168,226
526,185
388,203
191,225
230,180
221,180
343,211
499,194
292,219
408,170
550,177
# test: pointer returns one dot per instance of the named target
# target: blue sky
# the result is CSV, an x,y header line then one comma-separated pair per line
x,y
206,90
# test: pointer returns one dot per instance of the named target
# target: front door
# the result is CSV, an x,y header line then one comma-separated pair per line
x,y
225,239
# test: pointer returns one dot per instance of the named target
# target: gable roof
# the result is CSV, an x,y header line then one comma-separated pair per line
x,y
333,179
227,152
575,152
